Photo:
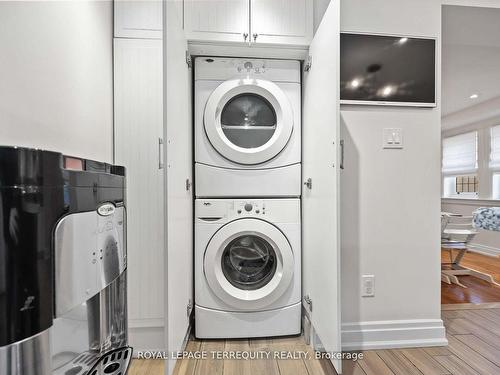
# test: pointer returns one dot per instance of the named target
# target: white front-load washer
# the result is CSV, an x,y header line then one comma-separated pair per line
x,y
247,267
247,127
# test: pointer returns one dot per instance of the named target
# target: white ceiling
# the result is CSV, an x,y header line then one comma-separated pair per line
x,y
470,57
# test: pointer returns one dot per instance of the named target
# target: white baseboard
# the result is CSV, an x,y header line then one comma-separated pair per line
x,y
485,250
146,339
393,334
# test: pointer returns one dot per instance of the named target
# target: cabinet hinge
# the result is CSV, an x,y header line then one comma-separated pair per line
x,y
189,308
188,184
189,60
309,302
308,64
309,183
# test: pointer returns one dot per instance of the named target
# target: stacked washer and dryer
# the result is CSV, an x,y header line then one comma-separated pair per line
x,y
247,187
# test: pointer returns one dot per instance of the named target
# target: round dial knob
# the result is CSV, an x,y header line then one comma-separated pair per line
x,y
248,207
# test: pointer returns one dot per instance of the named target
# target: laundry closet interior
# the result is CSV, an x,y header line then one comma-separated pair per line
x,y
227,120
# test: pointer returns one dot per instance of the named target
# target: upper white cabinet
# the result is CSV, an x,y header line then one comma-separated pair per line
x,y
215,20
252,22
138,19
282,21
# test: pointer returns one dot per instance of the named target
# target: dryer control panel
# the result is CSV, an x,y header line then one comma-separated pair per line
x,y
224,210
226,68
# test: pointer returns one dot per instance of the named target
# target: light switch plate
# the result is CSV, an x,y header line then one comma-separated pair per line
x,y
392,138
368,286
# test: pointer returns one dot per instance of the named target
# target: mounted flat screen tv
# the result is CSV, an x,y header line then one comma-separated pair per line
x,y
387,70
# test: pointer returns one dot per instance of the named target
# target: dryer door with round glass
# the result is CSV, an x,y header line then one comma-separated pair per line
x,y
249,264
248,121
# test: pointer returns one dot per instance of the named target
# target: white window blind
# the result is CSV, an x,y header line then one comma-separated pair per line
x,y
460,154
495,147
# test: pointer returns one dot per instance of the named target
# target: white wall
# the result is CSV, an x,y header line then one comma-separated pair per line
x,y
319,9
56,76
391,200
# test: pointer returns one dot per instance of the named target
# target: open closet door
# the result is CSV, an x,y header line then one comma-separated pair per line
x,y
320,202
179,177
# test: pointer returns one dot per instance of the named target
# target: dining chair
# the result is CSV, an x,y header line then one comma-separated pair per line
x,y
457,232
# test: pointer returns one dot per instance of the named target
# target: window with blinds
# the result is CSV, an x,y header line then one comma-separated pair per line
x,y
495,148
460,154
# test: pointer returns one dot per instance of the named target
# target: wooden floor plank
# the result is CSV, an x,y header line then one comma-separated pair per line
x,y
469,306
398,363
290,366
146,367
437,350
237,366
424,362
458,326
187,366
450,314
317,366
462,326
486,350
210,365
472,358
263,366
137,367
372,364
479,320
455,365
351,368
491,314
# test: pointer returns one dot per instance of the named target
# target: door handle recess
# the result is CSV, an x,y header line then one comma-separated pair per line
x,y
341,154
160,153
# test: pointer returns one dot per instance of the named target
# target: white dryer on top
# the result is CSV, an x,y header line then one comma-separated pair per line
x,y
247,127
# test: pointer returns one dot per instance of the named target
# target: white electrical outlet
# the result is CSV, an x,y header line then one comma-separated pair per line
x,y
392,138
368,286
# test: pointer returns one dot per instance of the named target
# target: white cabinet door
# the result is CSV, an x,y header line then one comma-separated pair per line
x,y
138,127
282,21
179,168
217,21
138,19
320,163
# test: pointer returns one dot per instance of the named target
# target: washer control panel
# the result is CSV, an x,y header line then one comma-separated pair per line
x,y
250,207
219,211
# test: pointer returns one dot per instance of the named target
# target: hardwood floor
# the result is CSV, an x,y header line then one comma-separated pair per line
x,y
474,349
477,291
147,367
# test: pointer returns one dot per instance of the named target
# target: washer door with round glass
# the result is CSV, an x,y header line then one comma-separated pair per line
x,y
248,121
249,264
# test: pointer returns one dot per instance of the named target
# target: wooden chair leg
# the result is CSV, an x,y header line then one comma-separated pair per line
x,y
451,274
445,278
482,276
